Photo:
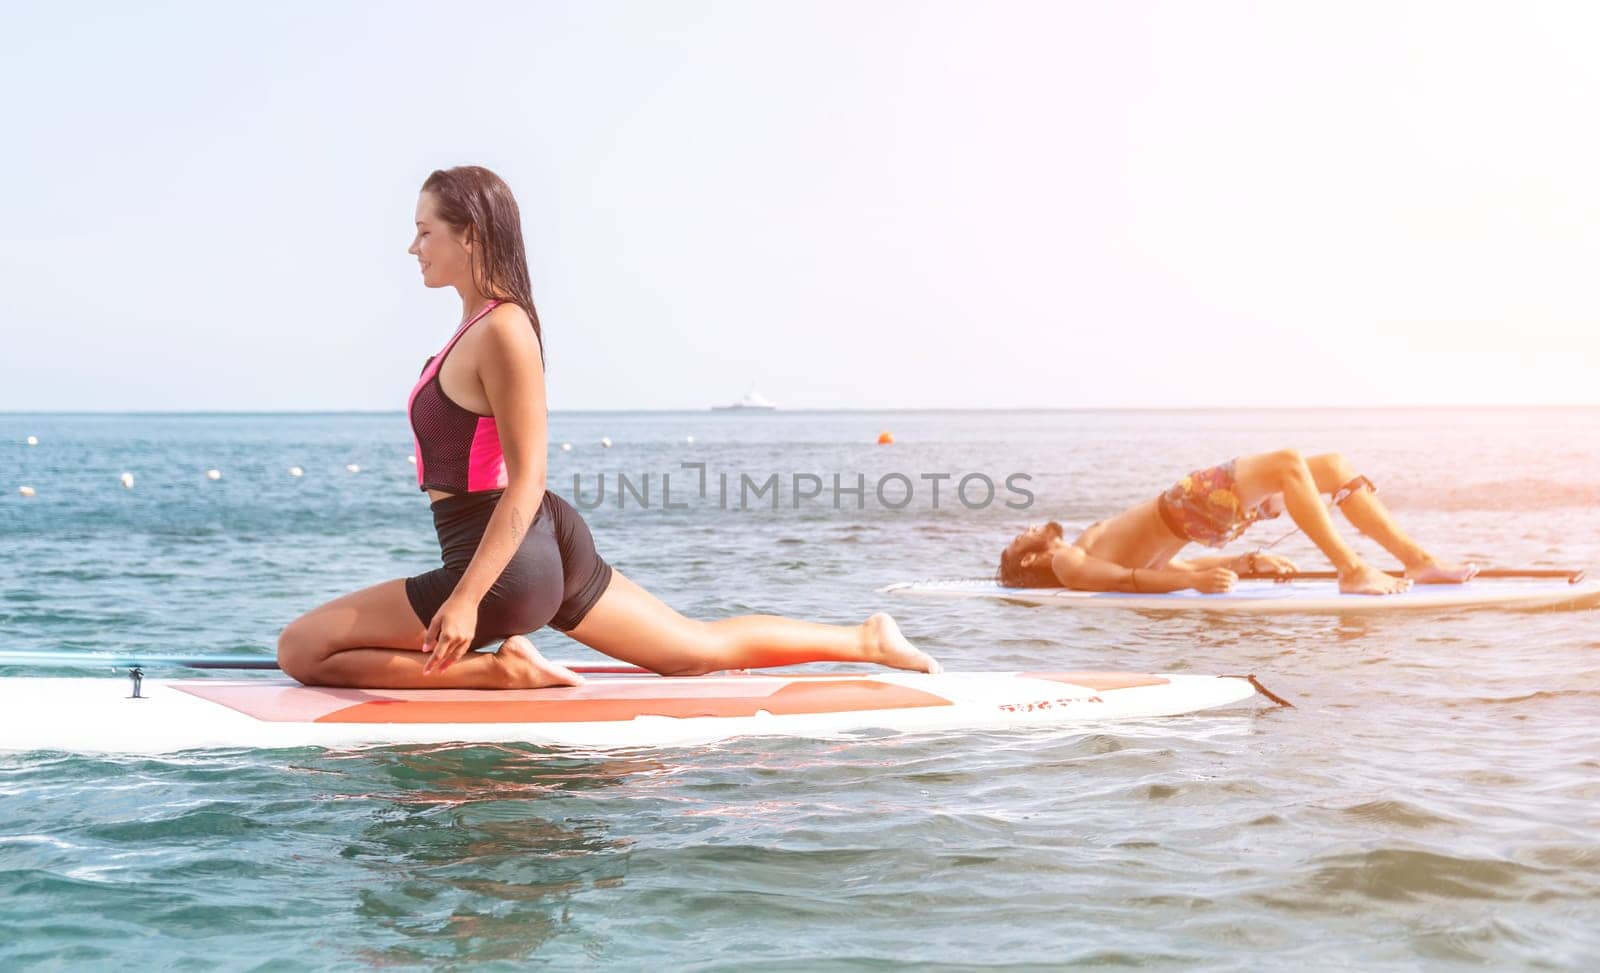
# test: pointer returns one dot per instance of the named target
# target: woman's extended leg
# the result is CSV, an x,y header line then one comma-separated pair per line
x,y
372,639
1369,515
630,624
1286,472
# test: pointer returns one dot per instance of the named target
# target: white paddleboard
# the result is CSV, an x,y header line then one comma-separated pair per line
x,y
1275,597
98,715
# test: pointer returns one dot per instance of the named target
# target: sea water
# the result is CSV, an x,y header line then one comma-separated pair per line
x,y
1433,800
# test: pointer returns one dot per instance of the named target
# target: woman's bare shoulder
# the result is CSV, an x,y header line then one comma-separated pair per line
x,y
508,316
508,336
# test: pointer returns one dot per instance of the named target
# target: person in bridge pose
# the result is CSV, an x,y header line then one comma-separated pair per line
x,y
1137,550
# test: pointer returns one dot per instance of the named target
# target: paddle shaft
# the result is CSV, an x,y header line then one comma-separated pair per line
x,y
1571,576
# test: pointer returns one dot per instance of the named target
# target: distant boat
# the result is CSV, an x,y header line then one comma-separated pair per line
x,y
753,401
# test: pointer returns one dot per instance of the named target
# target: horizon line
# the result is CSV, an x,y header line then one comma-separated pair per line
x,y
764,412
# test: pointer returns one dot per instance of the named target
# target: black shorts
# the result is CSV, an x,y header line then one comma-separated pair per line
x,y
553,579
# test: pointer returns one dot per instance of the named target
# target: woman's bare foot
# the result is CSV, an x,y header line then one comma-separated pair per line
x,y
1364,579
1441,572
525,668
886,646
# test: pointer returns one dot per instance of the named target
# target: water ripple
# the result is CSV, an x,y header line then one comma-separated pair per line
x,y
1433,801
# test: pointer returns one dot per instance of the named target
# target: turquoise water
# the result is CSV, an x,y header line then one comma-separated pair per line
x,y
1434,800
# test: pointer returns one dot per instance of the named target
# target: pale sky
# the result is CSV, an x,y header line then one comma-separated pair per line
x,y
852,204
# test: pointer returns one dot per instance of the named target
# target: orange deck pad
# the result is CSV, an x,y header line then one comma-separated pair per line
x,y
600,700
833,696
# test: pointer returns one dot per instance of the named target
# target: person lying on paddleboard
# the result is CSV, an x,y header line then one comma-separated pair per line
x,y
1137,549
517,557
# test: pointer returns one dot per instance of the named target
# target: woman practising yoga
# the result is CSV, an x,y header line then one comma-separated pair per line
x,y
1137,549
516,557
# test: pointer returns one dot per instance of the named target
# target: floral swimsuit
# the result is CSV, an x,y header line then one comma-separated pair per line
x,y
1205,508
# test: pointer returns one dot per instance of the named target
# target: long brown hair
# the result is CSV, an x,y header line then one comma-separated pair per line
x,y
475,201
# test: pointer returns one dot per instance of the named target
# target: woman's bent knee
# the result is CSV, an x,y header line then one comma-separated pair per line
x,y
1288,465
1288,460
296,648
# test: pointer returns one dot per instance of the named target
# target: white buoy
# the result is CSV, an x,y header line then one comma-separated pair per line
x,y
566,447
33,440
213,474
296,471
127,481
689,440
352,468
412,460
605,441
26,491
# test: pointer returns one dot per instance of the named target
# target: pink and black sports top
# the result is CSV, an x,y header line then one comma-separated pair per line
x,y
457,450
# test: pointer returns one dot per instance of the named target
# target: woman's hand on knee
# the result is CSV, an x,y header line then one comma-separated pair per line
x,y
449,634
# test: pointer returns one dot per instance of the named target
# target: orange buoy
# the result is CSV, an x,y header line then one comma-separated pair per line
x,y
885,438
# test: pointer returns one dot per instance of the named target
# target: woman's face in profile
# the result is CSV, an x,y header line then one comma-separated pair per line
x,y
442,255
